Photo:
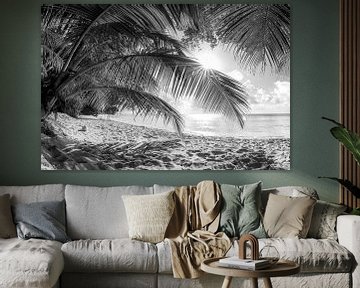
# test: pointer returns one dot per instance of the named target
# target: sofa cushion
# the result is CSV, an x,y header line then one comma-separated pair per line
x,y
149,215
36,193
43,220
287,216
323,222
117,255
163,188
30,263
164,257
291,191
240,210
7,226
98,213
313,255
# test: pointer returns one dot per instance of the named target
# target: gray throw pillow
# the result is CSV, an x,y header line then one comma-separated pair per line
x,y
323,222
43,220
240,213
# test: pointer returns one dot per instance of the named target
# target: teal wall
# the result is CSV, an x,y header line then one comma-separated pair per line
x,y
314,93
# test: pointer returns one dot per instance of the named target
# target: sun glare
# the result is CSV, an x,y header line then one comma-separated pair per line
x,y
208,59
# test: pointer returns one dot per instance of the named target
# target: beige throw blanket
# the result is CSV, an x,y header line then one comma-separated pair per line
x,y
191,231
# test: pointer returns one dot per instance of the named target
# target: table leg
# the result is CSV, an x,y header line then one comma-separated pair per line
x,y
227,282
267,283
254,282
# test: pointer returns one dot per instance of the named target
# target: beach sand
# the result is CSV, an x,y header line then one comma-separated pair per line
x,y
90,143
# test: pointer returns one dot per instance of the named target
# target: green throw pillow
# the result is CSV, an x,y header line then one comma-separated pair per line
x,y
240,213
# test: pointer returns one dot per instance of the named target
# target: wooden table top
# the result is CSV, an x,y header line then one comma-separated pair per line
x,y
281,268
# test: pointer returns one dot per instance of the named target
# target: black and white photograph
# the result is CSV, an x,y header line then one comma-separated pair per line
x,y
165,87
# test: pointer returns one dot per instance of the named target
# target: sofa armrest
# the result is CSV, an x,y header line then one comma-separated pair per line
x,y
348,230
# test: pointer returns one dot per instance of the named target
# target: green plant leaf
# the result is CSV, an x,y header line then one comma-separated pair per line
x,y
355,211
347,184
348,138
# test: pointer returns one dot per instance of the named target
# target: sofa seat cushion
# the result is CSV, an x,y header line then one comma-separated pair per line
x,y
115,255
30,263
313,255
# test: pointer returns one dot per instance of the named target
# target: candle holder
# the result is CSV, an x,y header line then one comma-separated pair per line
x,y
254,246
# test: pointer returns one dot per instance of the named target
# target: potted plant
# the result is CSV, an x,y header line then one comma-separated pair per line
x,y
351,141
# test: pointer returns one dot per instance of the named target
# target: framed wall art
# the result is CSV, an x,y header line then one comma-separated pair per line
x,y
165,87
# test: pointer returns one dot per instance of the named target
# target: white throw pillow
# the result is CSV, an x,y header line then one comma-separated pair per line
x,y
149,215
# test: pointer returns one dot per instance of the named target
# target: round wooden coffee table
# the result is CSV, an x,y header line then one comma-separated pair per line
x,y
281,268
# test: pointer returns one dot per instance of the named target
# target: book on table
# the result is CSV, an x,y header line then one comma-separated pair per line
x,y
249,264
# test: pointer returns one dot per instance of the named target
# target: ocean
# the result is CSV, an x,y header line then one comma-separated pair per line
x,y
256,125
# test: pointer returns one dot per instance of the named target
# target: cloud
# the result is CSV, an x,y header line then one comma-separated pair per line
x,y
281,92
274,100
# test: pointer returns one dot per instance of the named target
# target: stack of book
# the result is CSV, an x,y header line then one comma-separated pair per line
x,y
248,264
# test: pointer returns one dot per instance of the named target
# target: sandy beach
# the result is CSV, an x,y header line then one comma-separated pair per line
x,y
89,143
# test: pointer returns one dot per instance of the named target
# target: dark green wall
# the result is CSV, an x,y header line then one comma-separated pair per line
x,y
314,93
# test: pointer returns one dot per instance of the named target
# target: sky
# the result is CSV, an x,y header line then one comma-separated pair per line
x,y
268,94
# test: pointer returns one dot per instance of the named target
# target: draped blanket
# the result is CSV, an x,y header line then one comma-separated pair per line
x,y
191,232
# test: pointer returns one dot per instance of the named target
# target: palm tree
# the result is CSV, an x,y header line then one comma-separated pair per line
x,y
112,57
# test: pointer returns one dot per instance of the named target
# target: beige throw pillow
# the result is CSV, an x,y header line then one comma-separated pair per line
x,y
288,217
7,226
148,215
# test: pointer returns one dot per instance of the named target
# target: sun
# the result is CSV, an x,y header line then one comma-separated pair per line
x,y
208,59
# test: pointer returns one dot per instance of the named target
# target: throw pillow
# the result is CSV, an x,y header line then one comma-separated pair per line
x,y
7,226
43,220
149,215
240,213
288,217
323,223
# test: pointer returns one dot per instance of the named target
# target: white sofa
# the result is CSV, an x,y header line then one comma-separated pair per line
x,y
101,254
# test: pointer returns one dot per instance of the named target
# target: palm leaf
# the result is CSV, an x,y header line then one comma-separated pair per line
x,y
179,75
155,18
140,102
347,184
51,60
111,43
213,90
259,35
348,138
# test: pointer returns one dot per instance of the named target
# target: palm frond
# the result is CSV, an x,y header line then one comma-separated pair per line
x,y
51,61
110,43
139,102
184,15
259,35
213,90
180,76
125,18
